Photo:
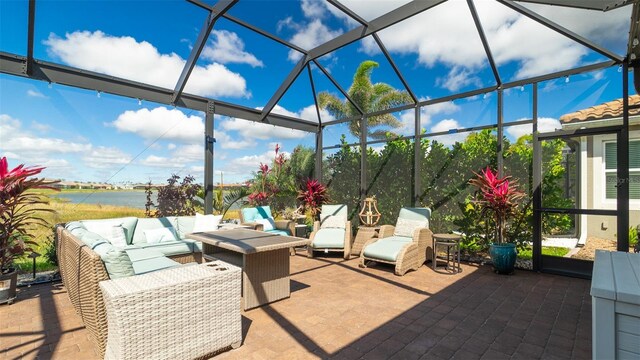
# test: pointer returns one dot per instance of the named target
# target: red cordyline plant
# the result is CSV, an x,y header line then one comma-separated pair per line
x,y
313,195
18,210
497,195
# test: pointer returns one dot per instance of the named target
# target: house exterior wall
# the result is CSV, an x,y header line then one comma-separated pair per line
x,y
604,227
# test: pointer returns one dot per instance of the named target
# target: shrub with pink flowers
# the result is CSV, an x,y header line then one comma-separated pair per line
x,y
277,184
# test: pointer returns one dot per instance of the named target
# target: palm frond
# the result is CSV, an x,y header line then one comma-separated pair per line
x,y
333,105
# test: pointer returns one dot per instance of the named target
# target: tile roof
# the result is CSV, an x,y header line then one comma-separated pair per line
x,y
611,109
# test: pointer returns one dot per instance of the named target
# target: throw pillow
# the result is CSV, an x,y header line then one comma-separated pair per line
x,y
113,231
164,234
118,237
205,223
406,227
332,221
267,224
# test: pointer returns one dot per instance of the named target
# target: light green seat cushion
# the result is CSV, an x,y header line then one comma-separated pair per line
x,y
339,210
74,225
386,249
87,237
154,264
251,214
149,224
196,246
137,254
279,232
129,224
330,238
169,248
418,214
184,225
115,260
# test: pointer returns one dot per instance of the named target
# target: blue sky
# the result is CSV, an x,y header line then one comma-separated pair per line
x,y
79,135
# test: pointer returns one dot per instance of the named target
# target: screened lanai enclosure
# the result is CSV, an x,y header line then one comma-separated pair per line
x,y
541,90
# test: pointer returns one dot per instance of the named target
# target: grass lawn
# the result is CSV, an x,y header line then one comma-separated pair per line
x,y
527,254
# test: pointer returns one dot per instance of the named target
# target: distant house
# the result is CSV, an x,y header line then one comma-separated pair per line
x,y
69,185
597,164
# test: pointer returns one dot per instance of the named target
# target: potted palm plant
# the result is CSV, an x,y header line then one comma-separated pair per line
x,y
19,208
498,196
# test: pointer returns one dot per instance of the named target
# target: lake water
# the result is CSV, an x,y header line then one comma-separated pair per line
x,y
134,199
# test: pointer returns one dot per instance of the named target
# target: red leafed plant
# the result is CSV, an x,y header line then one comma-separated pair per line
x,y
313,195
18,210
497,195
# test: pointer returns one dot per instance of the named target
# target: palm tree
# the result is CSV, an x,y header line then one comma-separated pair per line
x,y
370,98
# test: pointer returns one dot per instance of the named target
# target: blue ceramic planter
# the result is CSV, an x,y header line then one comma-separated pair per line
x,y
503,257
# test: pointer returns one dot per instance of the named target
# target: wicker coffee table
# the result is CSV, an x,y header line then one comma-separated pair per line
x,y
263,257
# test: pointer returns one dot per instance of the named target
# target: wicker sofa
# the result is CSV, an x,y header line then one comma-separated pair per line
x,y
84,264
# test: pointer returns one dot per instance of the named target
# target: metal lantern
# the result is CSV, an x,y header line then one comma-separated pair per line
x,y
369,215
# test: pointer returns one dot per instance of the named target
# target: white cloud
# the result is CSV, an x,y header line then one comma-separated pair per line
x,y
141,61
427,113
171,146
161,122
36,94
40,126
449,139
445,125
544,125
244,165
314,8
307,113
159,161
261,131
106,157
369,10
25,143
252,130
457,78
189,153
10,155
308,35
446,34
224,141
227,47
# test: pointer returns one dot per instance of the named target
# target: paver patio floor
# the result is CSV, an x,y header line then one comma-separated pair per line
x,y
338,310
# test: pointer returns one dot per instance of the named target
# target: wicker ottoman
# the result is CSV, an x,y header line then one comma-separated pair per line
x,y
179,313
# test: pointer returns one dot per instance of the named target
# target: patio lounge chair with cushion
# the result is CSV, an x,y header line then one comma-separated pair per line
x,y
406,245
260,218
332,232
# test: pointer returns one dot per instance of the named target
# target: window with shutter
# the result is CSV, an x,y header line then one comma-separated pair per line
x,y
611,164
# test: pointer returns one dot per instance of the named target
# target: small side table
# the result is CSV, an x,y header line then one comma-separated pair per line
x,y
365,233
301,231
452,242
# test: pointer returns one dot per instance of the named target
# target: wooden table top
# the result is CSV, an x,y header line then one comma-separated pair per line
x,y
246,241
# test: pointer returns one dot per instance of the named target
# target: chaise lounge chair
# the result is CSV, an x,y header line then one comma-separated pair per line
x,y
332,232
406,245
260,218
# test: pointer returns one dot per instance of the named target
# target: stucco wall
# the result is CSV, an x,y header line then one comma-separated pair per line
x,y
604,227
